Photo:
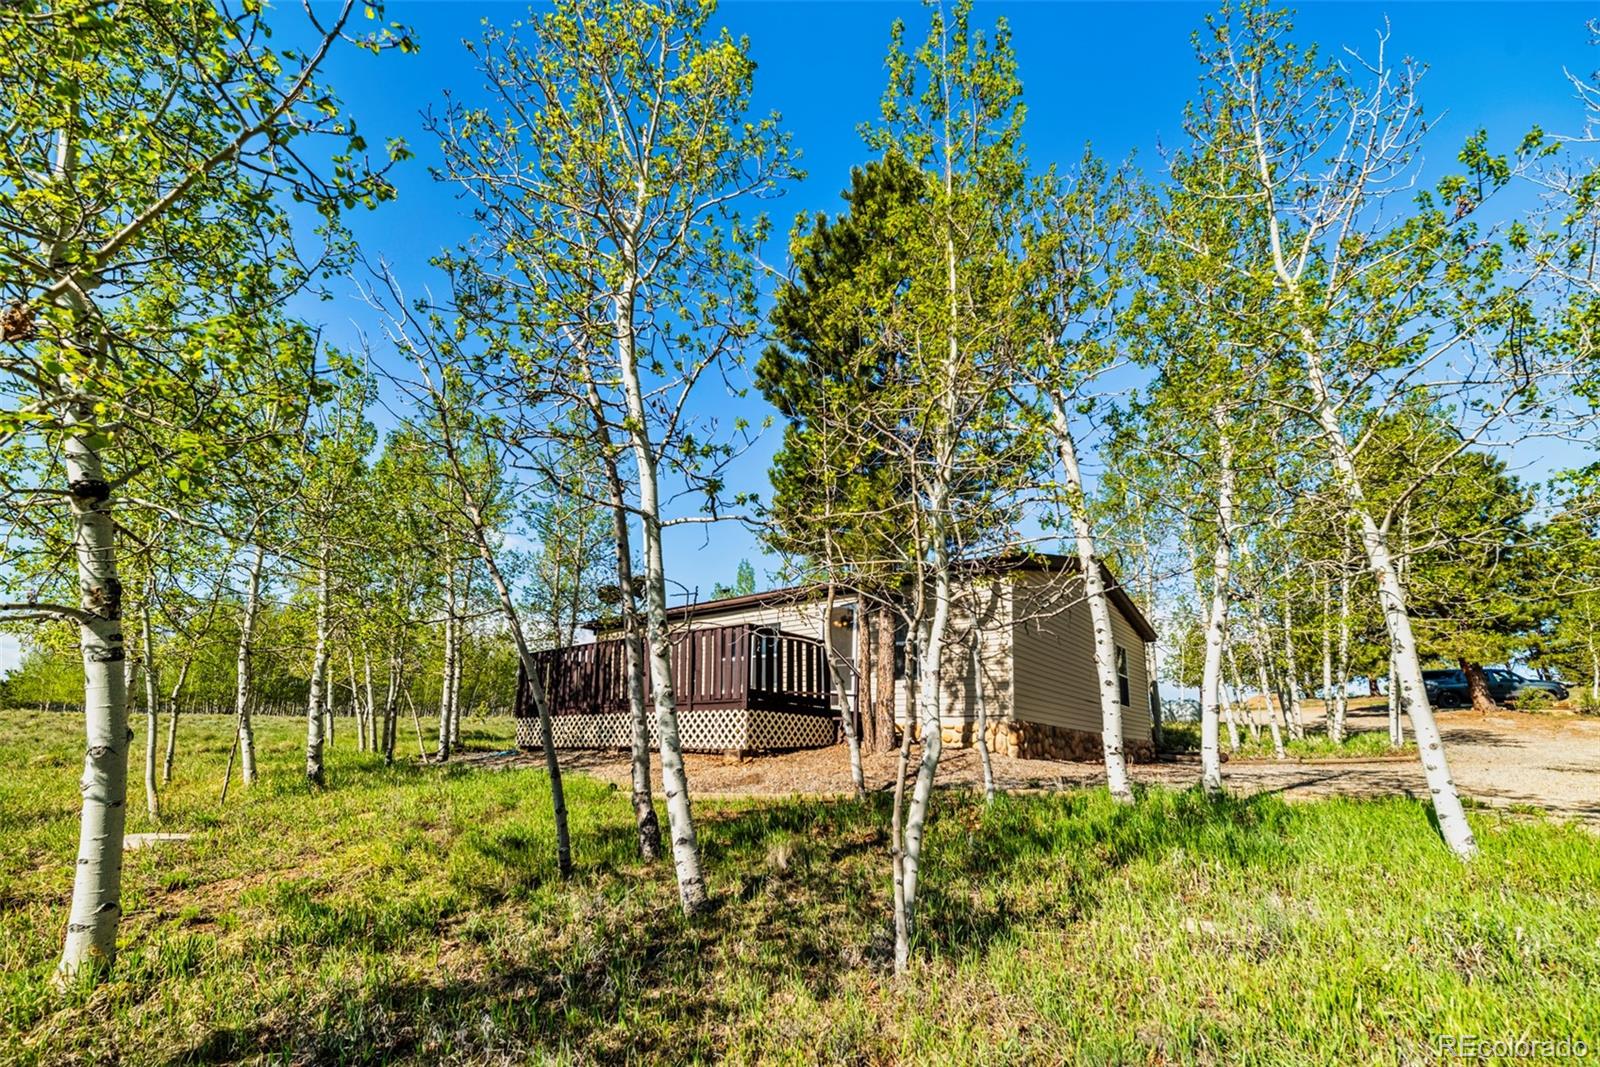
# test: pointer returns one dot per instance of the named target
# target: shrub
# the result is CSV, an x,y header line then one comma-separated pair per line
x,y
1534,700
1180,737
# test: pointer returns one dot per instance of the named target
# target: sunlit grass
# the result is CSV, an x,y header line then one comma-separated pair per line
x,y
413,914
1185,737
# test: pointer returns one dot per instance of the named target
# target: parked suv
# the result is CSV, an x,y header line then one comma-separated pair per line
x,y
1448,688
1505,684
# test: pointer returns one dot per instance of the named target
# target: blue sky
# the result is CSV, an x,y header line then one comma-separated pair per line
x,y
1114,74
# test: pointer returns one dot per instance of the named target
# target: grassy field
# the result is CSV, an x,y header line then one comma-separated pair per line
x,y
412,914
1185,737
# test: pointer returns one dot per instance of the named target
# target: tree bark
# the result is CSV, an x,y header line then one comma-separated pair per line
x,y
152,707
1105,647
1259,640
646,825
172,717
391,709
508,607
1453,825
1341,701
252,604
930,692
897,850
1217,620
449,663
458,659
1297,730
1327,659
983,718
356,708
1252,720
847,713
315,773
97,884
674,779
1483,701
1396,732
883,695
1231,719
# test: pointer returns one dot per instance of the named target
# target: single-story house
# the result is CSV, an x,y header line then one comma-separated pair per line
x,y
752,675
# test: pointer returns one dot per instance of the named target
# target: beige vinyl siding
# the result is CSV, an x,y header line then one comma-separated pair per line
x,y
1054,659
993,604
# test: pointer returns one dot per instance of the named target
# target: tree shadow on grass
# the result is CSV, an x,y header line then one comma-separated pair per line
x,y
804,897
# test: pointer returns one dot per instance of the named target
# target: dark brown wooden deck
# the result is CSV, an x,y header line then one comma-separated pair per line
x,y
741,666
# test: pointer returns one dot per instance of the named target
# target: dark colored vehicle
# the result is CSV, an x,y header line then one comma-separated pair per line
x,y
1448,688
1505,684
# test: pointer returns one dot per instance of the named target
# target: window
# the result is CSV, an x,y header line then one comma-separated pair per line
x,y
1122,676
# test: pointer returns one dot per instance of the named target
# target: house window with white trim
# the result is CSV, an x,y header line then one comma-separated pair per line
x,y
1123,688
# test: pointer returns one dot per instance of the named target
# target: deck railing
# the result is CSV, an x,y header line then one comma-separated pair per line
x,y
738,666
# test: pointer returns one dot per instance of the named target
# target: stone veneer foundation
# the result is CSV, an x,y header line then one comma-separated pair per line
x,y
1032,740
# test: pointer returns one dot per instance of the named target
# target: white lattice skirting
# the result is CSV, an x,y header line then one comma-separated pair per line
x,y
700,730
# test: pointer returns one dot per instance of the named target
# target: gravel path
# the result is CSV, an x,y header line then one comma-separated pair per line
x,y
1551,763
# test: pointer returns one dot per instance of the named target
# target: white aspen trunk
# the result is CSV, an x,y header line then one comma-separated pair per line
x,y
1211,695
356,709
152,708
329,698
458,665
508,607
1297,729
1232,721
674,779
1252,720
448,678
1105,646
97,884
841,686
252,604
1341,697
458,634
646,824
1266,701
1397,735
1453,825
983,718
1594,670
172,717
315,773
1152,658
1327,659
372,706
1261,644
391,709
930,690
897,852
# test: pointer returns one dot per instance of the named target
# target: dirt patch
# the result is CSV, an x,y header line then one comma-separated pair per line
x,y
1548,763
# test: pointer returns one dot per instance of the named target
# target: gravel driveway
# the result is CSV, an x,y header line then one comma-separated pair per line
x,y
1547,762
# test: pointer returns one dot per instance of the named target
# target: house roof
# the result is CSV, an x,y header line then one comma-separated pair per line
x,y
1018,561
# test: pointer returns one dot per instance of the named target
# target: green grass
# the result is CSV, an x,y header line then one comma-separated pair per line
x,y
1185,737
412,914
